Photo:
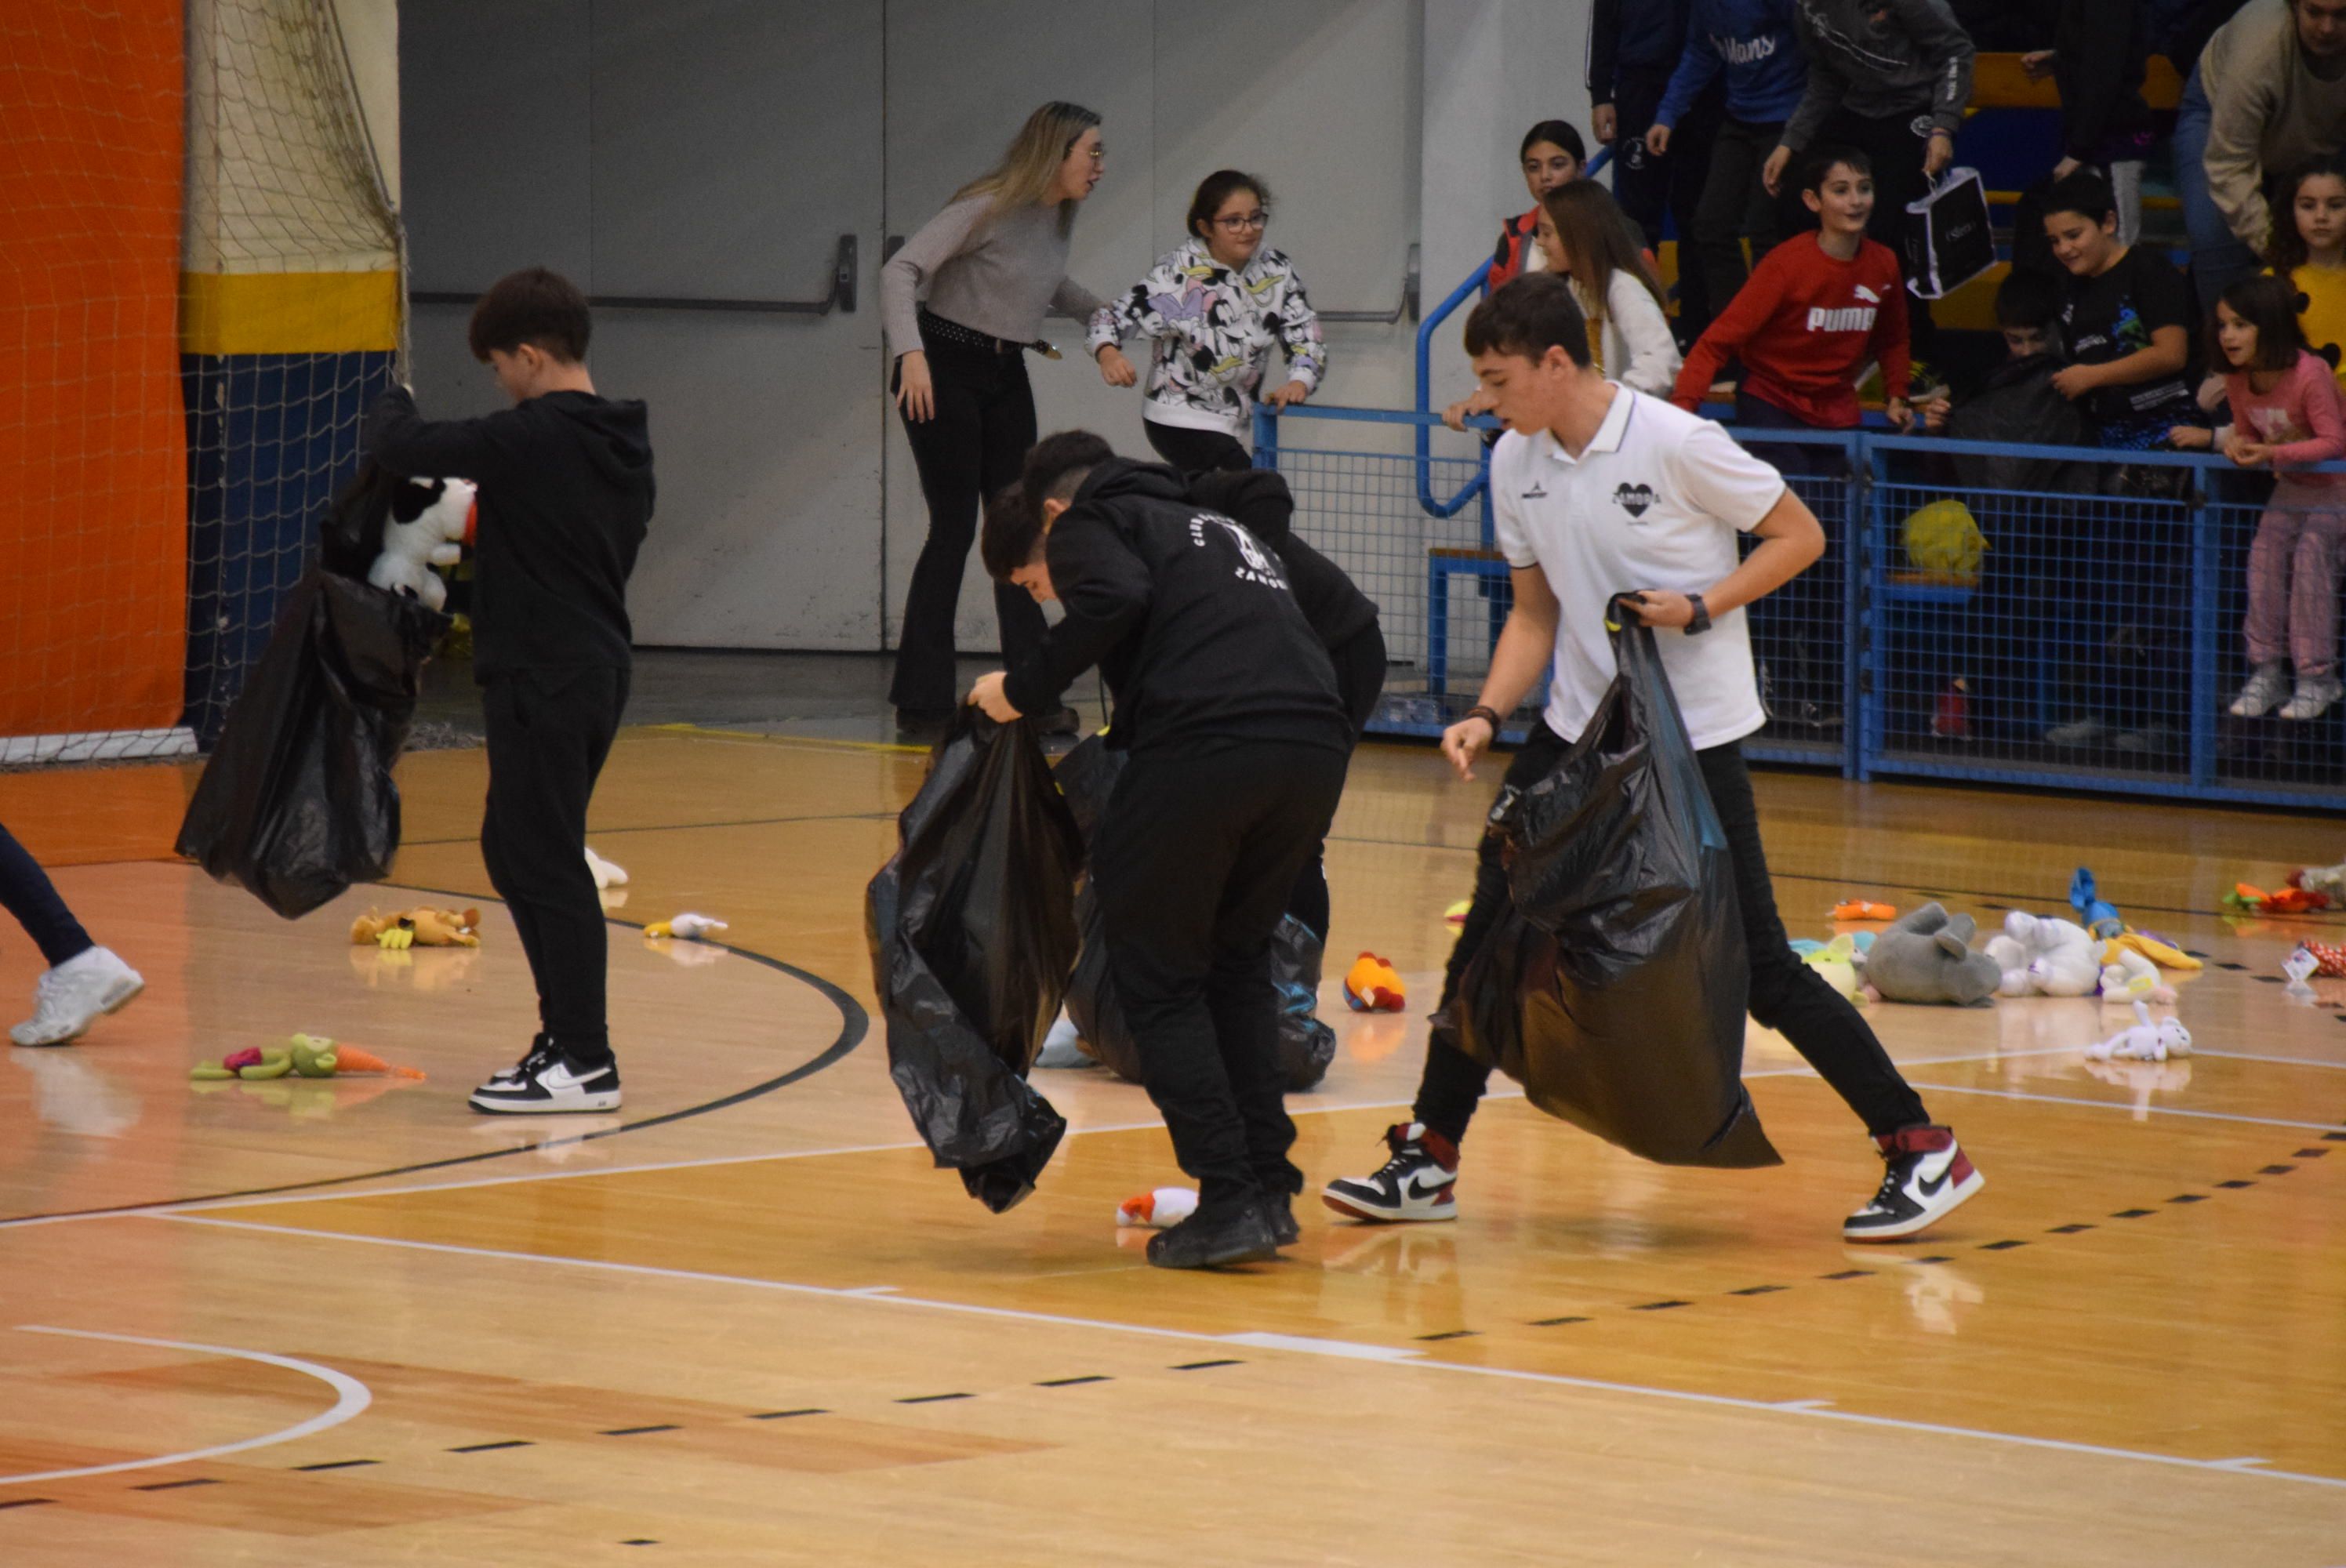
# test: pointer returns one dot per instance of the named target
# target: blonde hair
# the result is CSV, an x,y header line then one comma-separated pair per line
x,y
1594,233
1031,163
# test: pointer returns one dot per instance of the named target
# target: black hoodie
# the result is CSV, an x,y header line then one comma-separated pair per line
x,y
1189,617
1259,499
566,493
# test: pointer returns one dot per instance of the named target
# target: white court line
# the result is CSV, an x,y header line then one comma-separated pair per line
x,y
351,1397
2128,1106
1414,1360
2277,1061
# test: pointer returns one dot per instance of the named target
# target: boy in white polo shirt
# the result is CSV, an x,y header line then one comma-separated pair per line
x,y
1599,490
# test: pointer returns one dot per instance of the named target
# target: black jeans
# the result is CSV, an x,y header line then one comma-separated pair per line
x,y
1196,451
32,897
1787,996
1651,189
549,731
1734,206
1194,860
970,448
1360,661
1896,150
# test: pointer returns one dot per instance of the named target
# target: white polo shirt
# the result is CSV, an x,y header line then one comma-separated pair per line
x,y
1655,502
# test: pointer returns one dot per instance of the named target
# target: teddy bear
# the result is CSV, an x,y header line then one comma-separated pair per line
x,y
2043,956
1926,955
429,521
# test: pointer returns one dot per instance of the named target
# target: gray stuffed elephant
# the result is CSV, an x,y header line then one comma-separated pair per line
x,y
1925,955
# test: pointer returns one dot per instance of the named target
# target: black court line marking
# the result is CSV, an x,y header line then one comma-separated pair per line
x,y
1453,1334
2131,1213
1658,1306
2228,963
2334,1137
486,1447
2268,978
2309,1154
854,1025
1847,1274
176,1486
338,1464
1940,1258
2188,1197
1556,1322
2235,1184
1201,1366
638,1431
1759,1290
640,1541
1071,1382
2001,1245
2276,1170
933,1398
26,1502
785,1415
2067,1229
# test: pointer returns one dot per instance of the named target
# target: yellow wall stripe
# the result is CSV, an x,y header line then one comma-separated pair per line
x,y
288,313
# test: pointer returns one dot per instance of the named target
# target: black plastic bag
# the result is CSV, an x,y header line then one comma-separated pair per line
x,y
973,931
1088,776
350,536
296,801
1614,986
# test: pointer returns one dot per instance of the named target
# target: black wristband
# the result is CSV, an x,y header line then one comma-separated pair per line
x,y
1701,622
1489,715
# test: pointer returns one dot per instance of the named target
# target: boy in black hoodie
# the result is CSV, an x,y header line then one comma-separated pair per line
x,y
1226,706
566,493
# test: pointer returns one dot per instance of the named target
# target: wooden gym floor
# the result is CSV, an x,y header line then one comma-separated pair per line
x,y
350,1323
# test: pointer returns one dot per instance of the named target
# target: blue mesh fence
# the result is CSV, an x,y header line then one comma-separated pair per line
x,y
2059,616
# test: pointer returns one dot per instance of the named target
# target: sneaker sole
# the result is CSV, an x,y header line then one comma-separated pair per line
x,y
115,1002
1962,1192
1352,1210
496,1107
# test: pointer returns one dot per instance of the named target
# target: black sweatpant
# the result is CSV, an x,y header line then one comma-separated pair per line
x,y
1734,207
32,897
1787,996
971,447
549,731
1651,189
1196,451
1896,150
1360,661
1194,860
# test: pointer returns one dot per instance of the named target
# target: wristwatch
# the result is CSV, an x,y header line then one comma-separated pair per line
x,y
1701,622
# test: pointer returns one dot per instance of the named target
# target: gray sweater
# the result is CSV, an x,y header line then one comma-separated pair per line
x,y
1877,59
998,278
2268,111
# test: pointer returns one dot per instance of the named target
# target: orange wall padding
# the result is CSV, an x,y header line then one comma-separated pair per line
x,y
93,447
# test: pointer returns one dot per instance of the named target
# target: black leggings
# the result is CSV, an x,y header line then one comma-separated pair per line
x,y
32,897
971,447
1196,451
1787,996
549,731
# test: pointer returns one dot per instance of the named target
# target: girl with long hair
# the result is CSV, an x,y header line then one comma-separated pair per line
x,y
963,301
2309,248
1617,290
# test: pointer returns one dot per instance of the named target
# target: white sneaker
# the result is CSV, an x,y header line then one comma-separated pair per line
x,y
2313,697
2266,686
546,1082
75,994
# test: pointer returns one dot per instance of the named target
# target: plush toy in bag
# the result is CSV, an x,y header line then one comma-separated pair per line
x,y
430,522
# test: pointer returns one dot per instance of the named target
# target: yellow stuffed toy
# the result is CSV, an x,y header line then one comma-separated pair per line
x,y
417,928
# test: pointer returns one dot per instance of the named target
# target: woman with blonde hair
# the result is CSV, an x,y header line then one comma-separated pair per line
x,y
963,301
1629,320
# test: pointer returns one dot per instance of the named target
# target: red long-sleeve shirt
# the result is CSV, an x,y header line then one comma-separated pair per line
x,y
1804,326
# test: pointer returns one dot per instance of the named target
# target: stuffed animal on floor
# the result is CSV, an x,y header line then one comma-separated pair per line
x,y
1926,956
1373,985
688,926
2130,977
417,928
2328,881
2098,918
2327,959
2043,956
302,1056
2155,948
1838,962
430,521
1168,1205
2287,901
1863,909
2149,1039
607,875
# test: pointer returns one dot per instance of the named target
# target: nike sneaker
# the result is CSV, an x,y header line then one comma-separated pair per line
x,y
548,1081
75,994
1418,1182
1929,1176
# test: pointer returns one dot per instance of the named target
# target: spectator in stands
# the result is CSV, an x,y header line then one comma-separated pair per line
x,y
2286,413
2100,51
1751,44
1213,309
1616,287
2269,92
2309,248
1553,154
2017,402
1892,78
2127,322
1634,47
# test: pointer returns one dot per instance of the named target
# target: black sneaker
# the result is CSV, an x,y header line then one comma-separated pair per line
x,y
1283,1228
1216,1237
1929,1176
549,1081
1419,1183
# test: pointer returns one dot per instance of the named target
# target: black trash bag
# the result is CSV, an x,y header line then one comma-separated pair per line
x,y
296,801
1614,986
350,536
1087,776
972,932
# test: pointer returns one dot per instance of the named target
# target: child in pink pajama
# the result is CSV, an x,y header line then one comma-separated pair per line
x,y
2286,413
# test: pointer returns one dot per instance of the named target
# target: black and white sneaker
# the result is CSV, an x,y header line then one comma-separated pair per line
x,y
1418,1182
546,1082
1929,1176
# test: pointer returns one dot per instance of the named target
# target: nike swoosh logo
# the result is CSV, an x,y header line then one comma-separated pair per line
x,y
563,1077
1930,1188
1415,1188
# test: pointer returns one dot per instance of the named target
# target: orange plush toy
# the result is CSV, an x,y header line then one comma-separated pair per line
x,y
1373,985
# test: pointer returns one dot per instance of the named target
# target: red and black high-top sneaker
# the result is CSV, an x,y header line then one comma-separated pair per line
x,y
1417,1184
1929,1176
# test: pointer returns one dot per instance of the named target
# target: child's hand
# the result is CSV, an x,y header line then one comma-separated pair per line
x,y
986,696
1282,396
1771,173
1938,154
915,393
1605,120
1114,369
1900,413
2038,64
1454,416
2191,438
2076,380
2211,394
1934,416
1657,140
2246,452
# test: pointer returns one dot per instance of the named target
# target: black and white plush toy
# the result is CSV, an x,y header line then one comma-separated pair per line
x,y
430,520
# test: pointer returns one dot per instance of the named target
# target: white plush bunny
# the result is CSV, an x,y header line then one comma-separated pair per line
x,y
2148,1040
2043,956
426,528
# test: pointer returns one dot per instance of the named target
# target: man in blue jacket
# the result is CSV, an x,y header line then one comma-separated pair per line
x,y
1633,47
1750,43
